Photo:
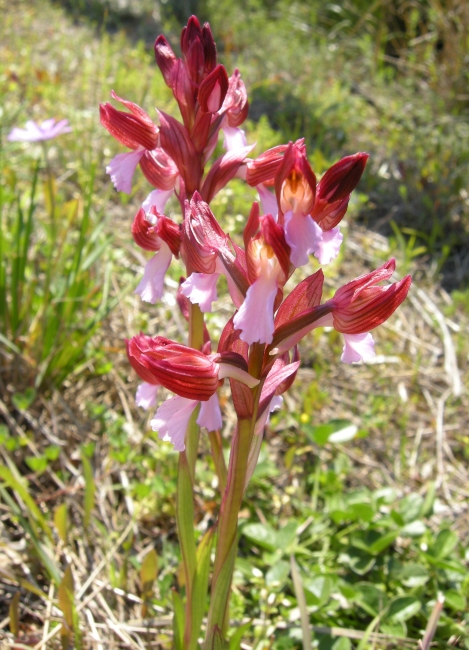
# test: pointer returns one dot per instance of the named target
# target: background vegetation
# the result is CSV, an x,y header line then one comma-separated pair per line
x,y
361,494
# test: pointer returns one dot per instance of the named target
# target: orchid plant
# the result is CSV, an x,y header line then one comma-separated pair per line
x,y
296,217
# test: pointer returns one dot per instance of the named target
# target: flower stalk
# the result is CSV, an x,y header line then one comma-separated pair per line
x,y
227,541
185,493
257,349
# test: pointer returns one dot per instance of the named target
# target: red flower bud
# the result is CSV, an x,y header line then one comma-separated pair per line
x,y
342,178
159,169
144,230
132,129
360,305
264,168
334,189
183,370
170,232
222,171
212,90
165,59
210,49
177,143
148,230
236,103
202,237
192,48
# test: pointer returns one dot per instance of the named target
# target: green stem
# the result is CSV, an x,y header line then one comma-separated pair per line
x,y
227,542
196,327
185,488
227,530
218,459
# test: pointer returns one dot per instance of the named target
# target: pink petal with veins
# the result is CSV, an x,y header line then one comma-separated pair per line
x,y
210,414
358,347
301,234
122,167
201,289
234,138
172,418
158,198
146,395
328,244
268,201
151,286
255,317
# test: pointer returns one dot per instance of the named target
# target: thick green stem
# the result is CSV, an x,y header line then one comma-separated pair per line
x,y
185,515
218,459
196,327
185,493
227,542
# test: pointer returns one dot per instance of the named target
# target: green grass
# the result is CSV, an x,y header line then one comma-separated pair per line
x,y
376,530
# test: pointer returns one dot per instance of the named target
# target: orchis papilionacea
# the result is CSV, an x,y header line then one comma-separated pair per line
x,y
296,217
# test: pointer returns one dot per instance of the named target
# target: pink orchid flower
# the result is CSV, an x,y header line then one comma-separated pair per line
x,y
309,212
153,231
204,250
268,268
134,130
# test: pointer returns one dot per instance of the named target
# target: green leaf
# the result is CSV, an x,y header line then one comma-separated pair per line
x,y
19,485
90,489
370,598
261,534
286,536
412,575
427,505
385,495
65,597
360,512
342,644
317,589
23,401
200,586
4,433
37,463
456,600
359,561
415,529
446,565
410,507
14,613
60,521
237,637
334,431
402,608
394,628
445,543
382,542
277,575
148,573
52,452
178,621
